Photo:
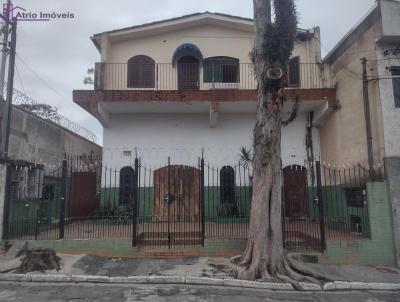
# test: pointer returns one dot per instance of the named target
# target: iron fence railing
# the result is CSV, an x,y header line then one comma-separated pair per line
x,y
174,206
192,77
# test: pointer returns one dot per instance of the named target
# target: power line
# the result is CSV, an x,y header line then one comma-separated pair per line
x,y
19,78
41,79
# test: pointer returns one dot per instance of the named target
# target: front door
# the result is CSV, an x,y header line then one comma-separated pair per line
x,y
188,74
295,191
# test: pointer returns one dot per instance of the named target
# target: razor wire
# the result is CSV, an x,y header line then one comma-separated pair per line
x,y
20,99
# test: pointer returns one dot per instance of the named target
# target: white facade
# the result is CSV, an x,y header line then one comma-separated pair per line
x,y
182,137
157,124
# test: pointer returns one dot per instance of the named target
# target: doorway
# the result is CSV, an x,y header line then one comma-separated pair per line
x,y
188,74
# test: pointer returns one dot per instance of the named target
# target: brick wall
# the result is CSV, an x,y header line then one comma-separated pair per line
x,y
85,97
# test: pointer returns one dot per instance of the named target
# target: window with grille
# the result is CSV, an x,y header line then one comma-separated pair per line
x,y
293,77
396,85
126,185
141,72
221,70
227,183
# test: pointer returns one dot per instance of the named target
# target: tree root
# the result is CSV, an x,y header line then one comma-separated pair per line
x,y
283,271
39,260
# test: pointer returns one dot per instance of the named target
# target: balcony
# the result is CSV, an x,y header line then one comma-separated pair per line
x,y
222,87
184,77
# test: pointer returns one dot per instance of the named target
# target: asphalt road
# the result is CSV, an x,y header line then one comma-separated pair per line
x,y
35,292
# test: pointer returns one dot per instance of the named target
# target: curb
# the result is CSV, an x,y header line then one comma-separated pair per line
x,y
330,286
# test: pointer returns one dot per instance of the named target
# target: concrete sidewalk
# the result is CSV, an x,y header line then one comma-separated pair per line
x,y
203,271
212,268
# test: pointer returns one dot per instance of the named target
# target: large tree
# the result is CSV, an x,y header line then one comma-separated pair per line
x,y
264,257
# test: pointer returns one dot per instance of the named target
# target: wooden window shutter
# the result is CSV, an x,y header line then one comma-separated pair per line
x,y
141,72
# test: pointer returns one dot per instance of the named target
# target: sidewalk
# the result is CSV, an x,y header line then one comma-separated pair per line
x,y
201,271
211,267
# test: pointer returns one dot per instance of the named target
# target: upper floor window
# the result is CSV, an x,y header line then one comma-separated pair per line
x,y
141,72
293,76
396,85
221,70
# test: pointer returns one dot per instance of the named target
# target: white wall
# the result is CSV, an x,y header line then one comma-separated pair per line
x,y
182,137
212,40
390,114
294,142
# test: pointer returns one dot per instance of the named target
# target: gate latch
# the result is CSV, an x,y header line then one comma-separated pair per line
x,y
168,198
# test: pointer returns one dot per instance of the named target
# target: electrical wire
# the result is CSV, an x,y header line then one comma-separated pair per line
x,y
19,78
41,79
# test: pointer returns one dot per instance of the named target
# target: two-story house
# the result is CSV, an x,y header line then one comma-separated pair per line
x,y
175,87
171,91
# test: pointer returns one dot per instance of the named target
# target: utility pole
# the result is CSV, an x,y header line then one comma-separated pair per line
x,y
367,116
9,94
5,135
4,54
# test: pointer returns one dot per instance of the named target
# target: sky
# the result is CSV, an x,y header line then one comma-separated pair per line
x,y
53,57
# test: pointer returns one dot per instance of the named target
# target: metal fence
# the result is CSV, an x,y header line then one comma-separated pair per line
x,y
192,77
175,206
344,193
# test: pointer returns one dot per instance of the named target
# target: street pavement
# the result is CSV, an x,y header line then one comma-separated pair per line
x,y
40,292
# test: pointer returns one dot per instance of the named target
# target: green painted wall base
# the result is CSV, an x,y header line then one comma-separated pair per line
x,y
376,250
379,248
123,248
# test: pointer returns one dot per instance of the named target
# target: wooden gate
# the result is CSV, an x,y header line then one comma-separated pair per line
x,y
84,199
295,190
302,222
176,208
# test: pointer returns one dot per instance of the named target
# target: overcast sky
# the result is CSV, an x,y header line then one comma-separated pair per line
x,y
60,51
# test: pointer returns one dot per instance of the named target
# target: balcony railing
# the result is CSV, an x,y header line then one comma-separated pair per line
x,y
191,77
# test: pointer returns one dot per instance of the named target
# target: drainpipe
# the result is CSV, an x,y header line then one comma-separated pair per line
x,y
367,115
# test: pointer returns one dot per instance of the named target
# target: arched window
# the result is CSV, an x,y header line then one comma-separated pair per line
x,y
126,185
141,72
221,70
228,207
227,183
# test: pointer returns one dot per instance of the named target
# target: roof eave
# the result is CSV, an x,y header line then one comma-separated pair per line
x,y
95,42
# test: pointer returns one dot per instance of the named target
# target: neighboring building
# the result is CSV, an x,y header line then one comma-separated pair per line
x,y
37,148
40,141
175,87
344,136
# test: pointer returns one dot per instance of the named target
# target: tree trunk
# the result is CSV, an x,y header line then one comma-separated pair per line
x,y
264,257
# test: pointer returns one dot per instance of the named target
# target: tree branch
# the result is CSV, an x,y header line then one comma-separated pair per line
x,y
293,114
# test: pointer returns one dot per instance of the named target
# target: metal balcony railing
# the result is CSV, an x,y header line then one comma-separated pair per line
x,y
192,77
